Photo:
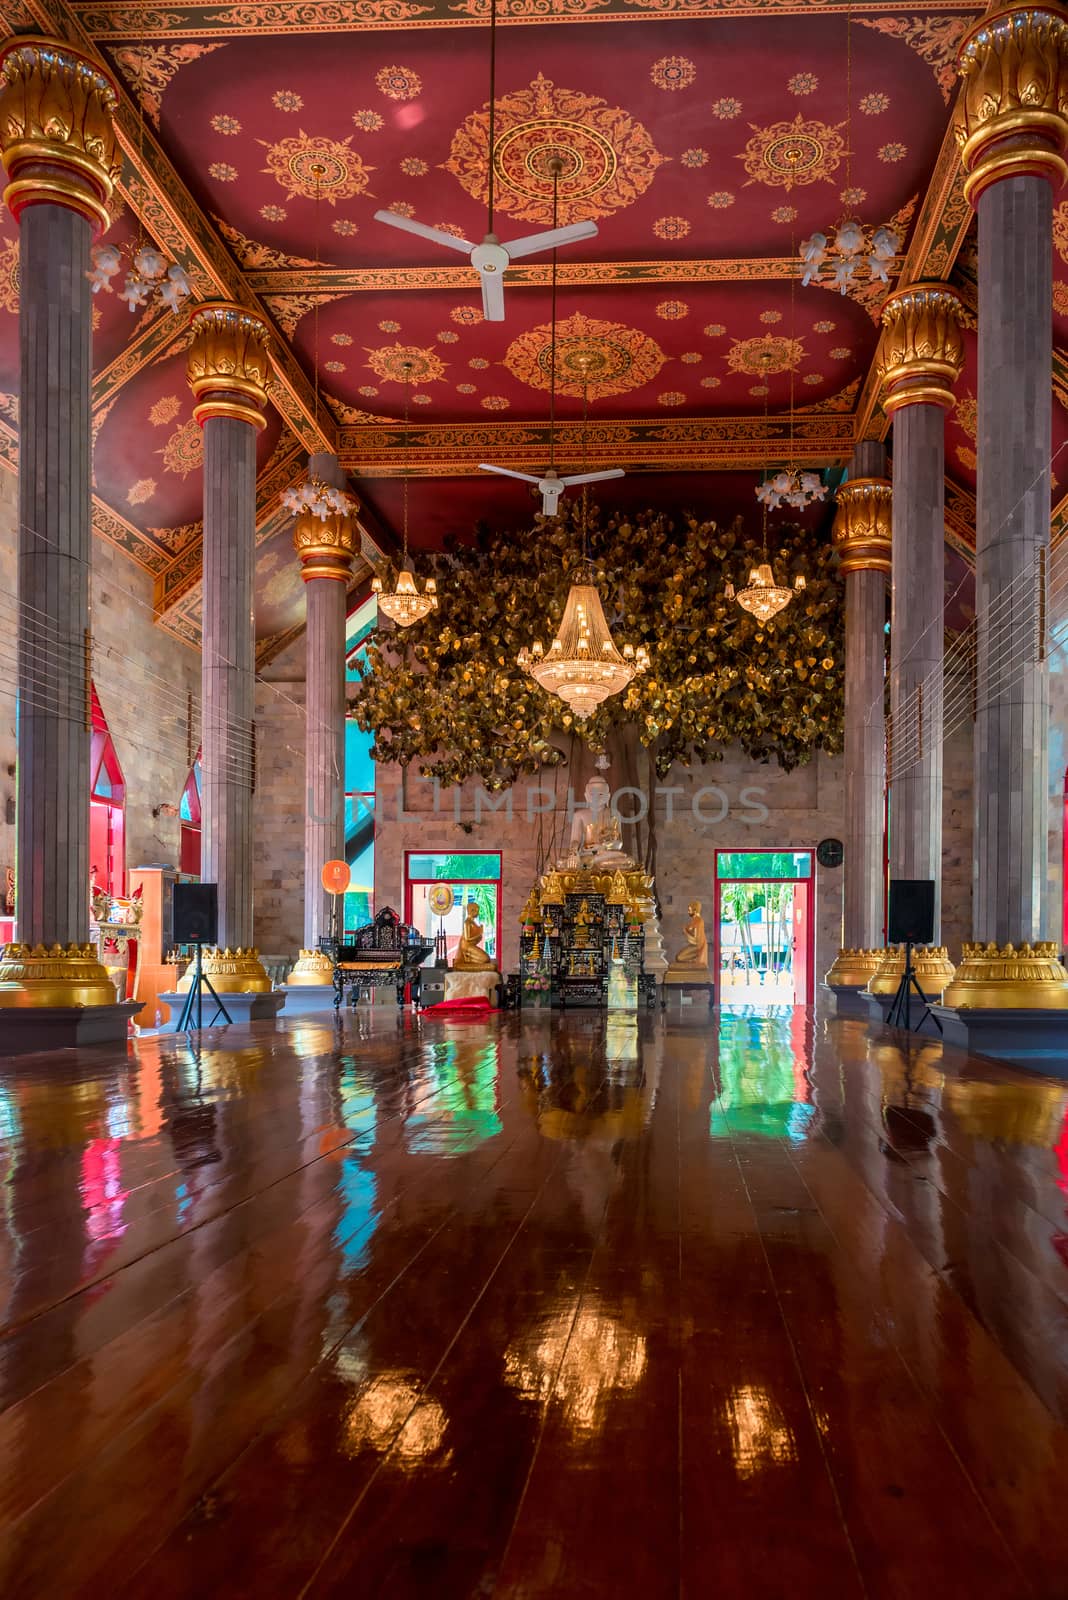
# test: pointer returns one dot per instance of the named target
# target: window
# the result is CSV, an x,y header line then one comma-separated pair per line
x,y
764,864
189,812
471,876
359,899
107,807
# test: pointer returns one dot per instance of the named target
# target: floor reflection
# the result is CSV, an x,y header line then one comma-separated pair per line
x,y
536,1305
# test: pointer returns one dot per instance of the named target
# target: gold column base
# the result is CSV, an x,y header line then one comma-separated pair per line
x,y
930,963
854,968
314,970
231,972
54,975
993,977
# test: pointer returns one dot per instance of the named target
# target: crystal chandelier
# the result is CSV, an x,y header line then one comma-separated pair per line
x,y
582,665
762,597
404,604
150,275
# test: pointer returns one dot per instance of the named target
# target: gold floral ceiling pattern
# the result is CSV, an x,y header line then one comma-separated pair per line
x,y
608,158
404,363
768,353
788,154
305,166
592,356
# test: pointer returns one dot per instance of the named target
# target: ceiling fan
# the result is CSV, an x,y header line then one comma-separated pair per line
x,y
491,259
550,484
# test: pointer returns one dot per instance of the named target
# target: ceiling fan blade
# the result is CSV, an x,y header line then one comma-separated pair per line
x,y
492,296
506,472
592,477
551,239
435,235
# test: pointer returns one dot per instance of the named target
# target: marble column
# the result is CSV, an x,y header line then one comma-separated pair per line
x,y
920,359
62,160
862,529
326,549
1013,131
228,369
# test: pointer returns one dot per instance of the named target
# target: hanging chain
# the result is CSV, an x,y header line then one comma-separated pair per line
x,y
407,452
492,104
556,165
318,170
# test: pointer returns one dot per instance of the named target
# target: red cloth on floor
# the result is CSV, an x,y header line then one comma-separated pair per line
x,y
473,1006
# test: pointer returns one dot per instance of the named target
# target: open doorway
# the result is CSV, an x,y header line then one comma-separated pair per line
x,y
764,927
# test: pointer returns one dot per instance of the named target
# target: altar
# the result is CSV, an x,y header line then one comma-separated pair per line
x,y
589,930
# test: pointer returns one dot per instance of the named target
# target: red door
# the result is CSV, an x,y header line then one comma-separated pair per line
x,y
804,942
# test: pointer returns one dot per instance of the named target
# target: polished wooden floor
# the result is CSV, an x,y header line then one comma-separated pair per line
x,y
753,1307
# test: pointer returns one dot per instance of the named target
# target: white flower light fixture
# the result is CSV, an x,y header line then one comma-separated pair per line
x,y
791,487
852,246
150,275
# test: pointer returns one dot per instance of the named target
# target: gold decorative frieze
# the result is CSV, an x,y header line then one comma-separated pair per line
x,y
993,977
853,968
1013,117
326,548
56,130
54,975
314,969
231,971
930,963
228,364
922,352
862,527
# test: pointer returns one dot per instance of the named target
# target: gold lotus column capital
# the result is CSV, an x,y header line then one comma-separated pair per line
x,y
54,975
853,968
228,363
326,547
921,353
1013,114
57,133
862,525
997,977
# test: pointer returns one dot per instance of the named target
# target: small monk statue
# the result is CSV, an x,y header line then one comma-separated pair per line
x,y
470,956
695,951
582,926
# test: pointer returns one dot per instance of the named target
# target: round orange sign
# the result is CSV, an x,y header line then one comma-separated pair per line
x,y
336,877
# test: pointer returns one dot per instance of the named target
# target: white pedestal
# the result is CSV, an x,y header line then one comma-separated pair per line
x,y
471,985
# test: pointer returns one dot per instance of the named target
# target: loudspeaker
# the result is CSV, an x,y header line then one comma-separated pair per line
x,y
911,913
196,913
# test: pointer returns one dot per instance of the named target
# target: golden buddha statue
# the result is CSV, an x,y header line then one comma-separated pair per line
x,y
582,926
470,956
694,954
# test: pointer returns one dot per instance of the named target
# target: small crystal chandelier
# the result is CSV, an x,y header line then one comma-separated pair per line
x,y
150,275
762,597
582,664
404,604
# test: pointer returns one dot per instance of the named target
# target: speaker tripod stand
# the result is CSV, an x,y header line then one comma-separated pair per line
x,y
900,1007
195,997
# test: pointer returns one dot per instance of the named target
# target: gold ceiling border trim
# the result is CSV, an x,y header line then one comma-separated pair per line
x,y
451,450
118,20
334,282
